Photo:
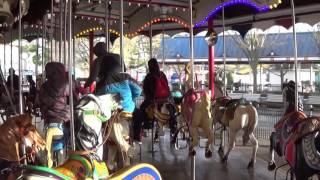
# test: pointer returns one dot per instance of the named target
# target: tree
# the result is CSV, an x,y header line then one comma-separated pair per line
x,y
283,69
253,45
137,50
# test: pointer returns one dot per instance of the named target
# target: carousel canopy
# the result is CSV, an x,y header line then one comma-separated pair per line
x,y
171,16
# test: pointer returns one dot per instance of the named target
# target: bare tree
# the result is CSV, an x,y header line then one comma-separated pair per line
x,y
283,70
179,69
253,45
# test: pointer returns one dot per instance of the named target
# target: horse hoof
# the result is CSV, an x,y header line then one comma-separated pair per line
x,y
272,166
192,152
250,165
220,151
224,160
208,153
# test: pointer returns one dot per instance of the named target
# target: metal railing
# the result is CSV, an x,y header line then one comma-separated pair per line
x,y
268,117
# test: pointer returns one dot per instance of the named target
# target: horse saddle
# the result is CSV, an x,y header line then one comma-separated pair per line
x,y
230,105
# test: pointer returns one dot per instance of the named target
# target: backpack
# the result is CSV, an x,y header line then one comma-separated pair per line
x,y
161,87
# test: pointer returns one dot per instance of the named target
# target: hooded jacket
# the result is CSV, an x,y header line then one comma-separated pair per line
x,y
115,82
149,80
104,63
54,94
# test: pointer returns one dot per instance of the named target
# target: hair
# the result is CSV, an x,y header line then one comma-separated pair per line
x,y
154,66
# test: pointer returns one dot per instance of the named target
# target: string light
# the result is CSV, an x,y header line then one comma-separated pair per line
x,y
99,28
248,3
157,20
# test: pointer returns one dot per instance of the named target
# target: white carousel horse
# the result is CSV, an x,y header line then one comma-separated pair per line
x,y
237,117
119,148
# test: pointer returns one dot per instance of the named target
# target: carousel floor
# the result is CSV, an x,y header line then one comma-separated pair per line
x,y
175,164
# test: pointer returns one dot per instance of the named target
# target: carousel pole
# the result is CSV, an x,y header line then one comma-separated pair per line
x,y
65,33
20,58
106,23
70,56
224,52
38,57
60,31
11,66
51,32
4,57
163,55
43,46
23,149
150,29
191,43
121,35
295,55
73,47
150,51
193,157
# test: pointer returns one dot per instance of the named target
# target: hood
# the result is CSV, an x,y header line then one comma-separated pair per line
x,y
153,66
56,75
100,49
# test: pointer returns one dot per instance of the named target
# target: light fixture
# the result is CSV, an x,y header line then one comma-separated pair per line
x,y
211,37
230,3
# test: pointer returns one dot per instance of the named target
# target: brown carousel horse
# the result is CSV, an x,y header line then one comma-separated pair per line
x,y
297,138
236,115
16,134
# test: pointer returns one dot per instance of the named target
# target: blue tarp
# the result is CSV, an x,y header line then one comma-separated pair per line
x,y
282,46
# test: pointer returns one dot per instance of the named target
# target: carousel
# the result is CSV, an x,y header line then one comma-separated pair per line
x,y
95,142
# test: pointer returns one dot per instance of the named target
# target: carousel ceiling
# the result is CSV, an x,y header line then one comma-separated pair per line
x,y
171,16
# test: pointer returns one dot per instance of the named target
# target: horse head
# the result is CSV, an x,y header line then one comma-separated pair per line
x,y
34,144
289,93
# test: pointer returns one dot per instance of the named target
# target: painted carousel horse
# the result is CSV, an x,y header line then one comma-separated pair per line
x,y
85,163
297,138
119,144
165,113
196,111
237,115
20,142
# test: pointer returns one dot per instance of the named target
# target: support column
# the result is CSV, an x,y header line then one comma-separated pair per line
x,y
211,63
91,36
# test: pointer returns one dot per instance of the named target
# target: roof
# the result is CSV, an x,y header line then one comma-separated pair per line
x,y
282,47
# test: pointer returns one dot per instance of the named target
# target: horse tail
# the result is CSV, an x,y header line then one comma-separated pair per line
x,y
252,122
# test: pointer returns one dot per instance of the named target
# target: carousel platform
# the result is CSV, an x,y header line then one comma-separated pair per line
x,y
176,164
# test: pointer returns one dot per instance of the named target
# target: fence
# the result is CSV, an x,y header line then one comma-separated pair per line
x,y
268,117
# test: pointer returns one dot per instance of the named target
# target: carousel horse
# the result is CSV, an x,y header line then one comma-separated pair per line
x,y
164,113
237,115
20,142
85,163
297,138
196,112
119,146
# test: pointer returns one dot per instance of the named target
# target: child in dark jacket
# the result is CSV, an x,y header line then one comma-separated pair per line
x,y
54,106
